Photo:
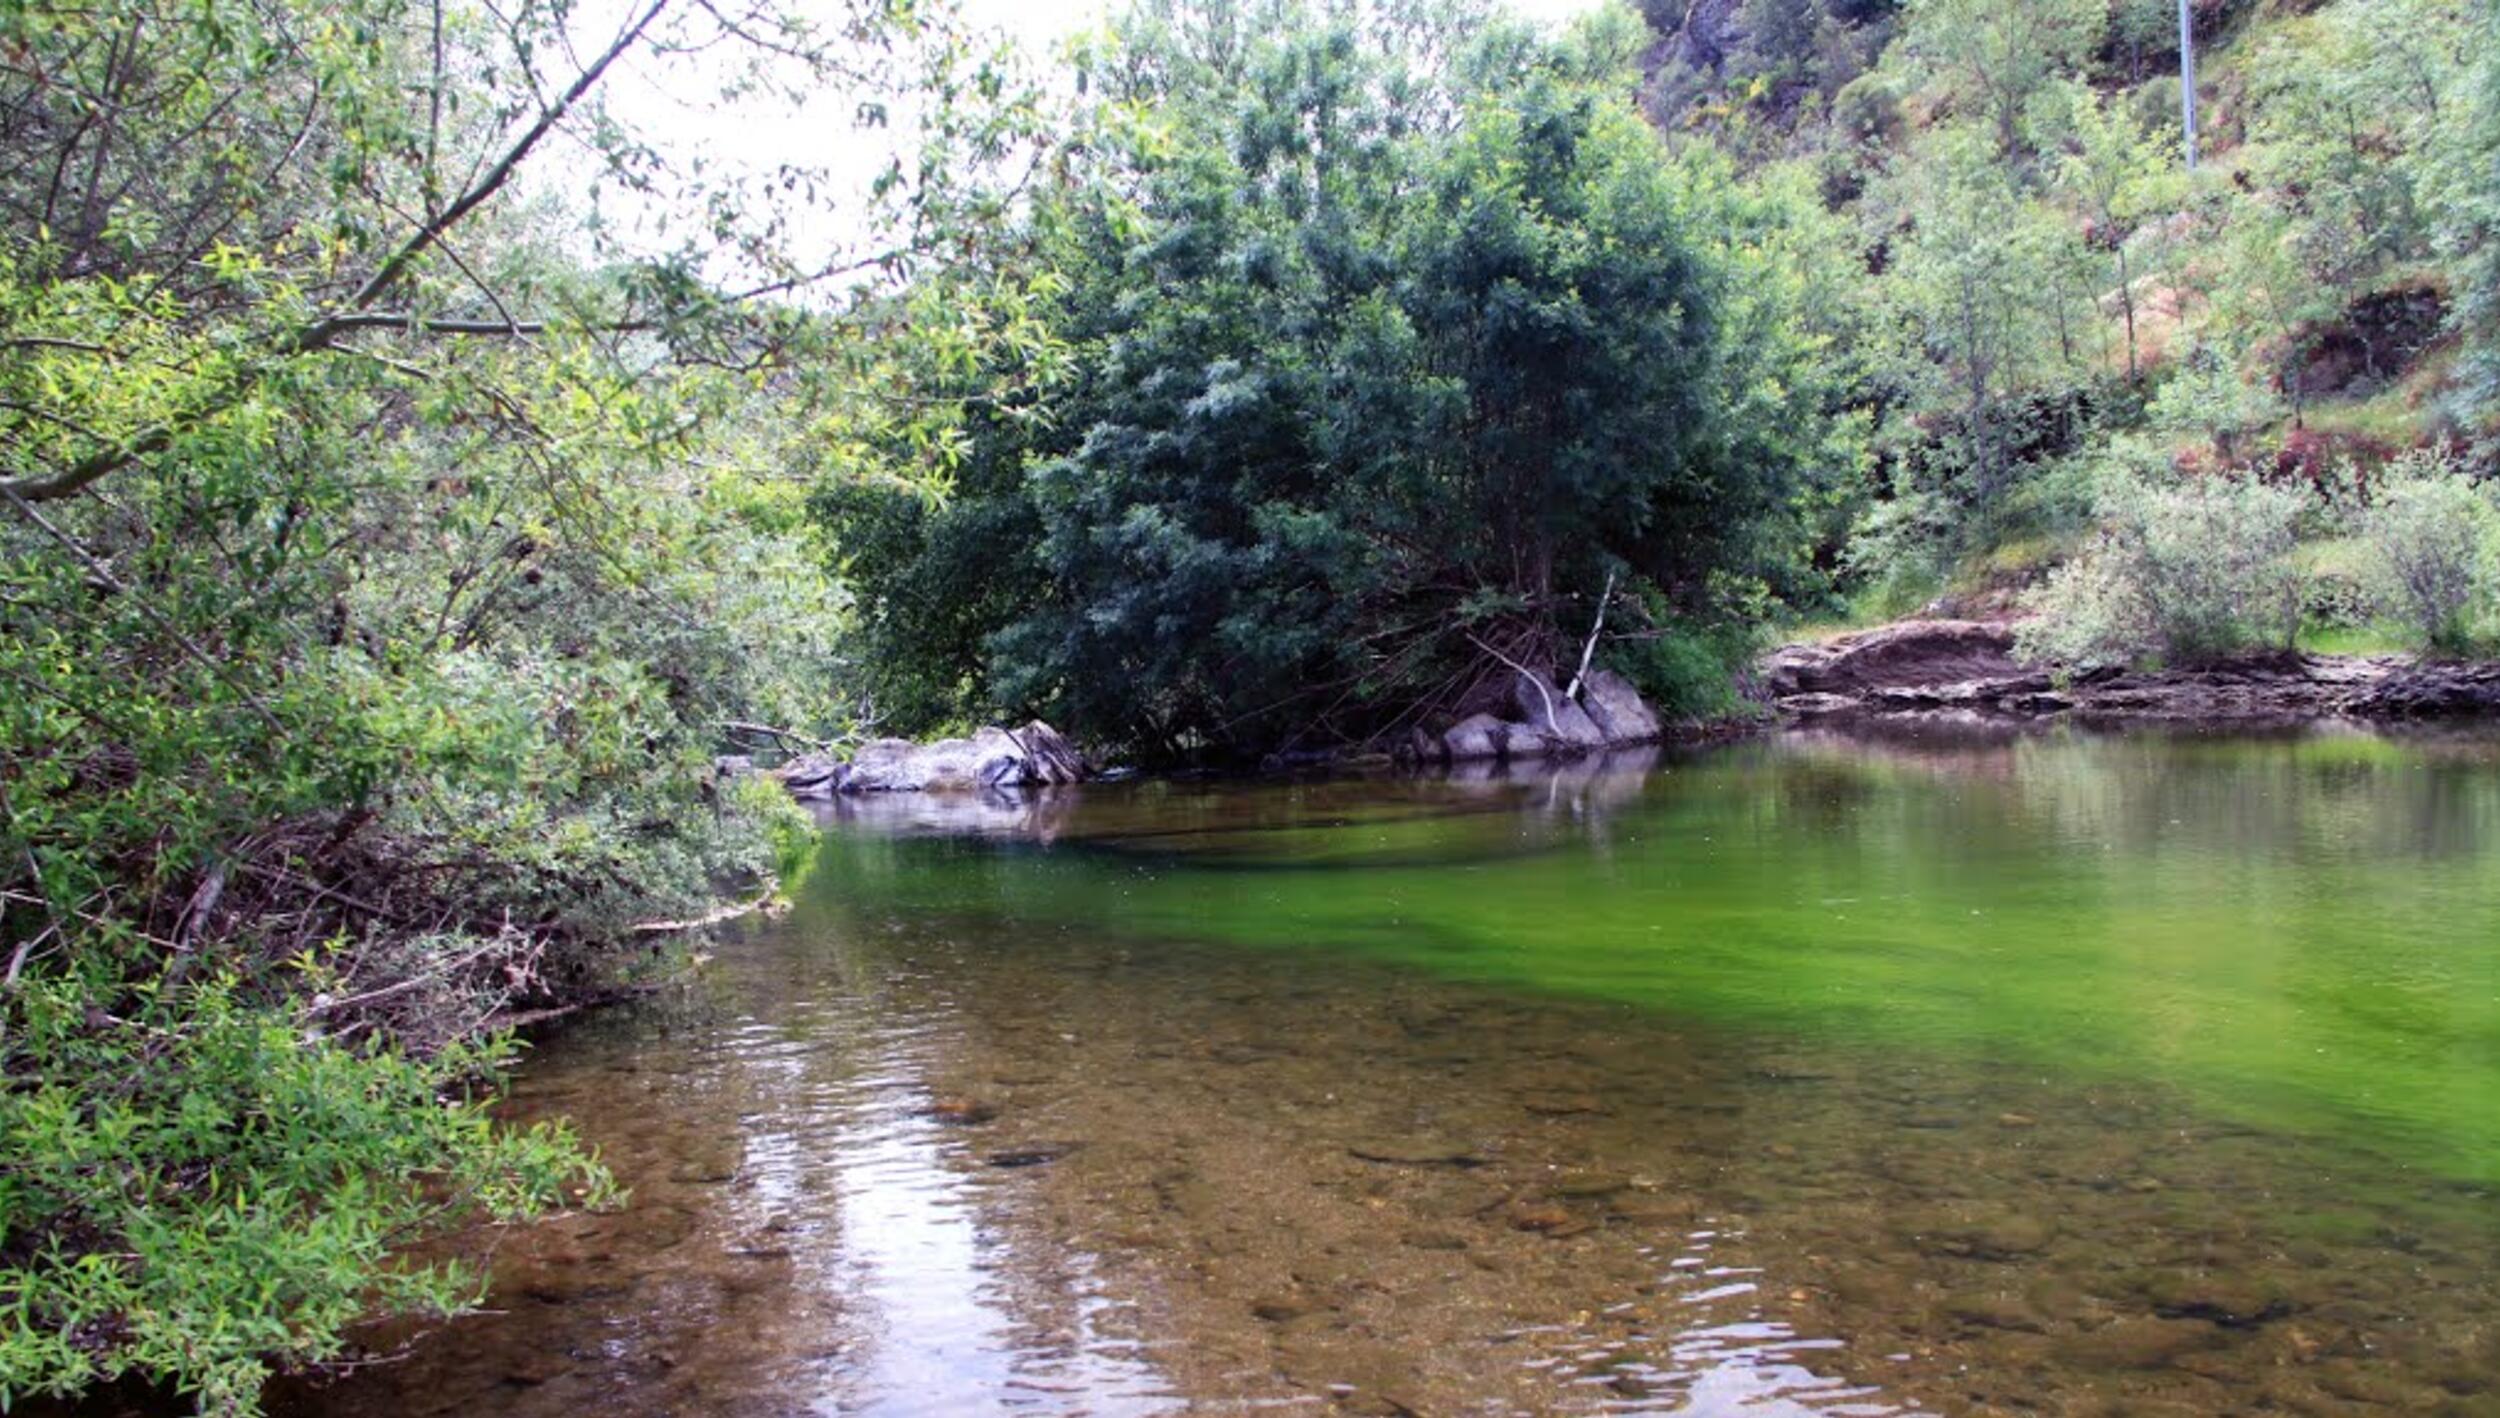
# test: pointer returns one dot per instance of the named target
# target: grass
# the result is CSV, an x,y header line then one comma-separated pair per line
x,y
2353,640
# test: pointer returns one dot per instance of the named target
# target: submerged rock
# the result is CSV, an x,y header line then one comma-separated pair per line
x,y
2139,1344
1978,1232
1036,1154
1416,1152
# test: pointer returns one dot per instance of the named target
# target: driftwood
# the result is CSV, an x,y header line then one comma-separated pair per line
x,y
730,912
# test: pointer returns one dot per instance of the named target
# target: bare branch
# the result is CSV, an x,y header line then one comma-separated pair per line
x,y
1572,690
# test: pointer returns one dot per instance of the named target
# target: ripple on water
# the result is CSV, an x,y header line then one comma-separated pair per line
x,y
1329,1173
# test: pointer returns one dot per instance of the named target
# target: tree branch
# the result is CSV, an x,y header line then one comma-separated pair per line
x,y
1527,674
357,314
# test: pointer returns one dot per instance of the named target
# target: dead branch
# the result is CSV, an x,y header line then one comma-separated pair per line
x,y
1572,690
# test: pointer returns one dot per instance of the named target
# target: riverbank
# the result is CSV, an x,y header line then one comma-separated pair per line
x,y
1969,669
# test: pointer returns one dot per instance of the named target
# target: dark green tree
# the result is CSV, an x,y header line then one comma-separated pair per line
x,y
1394,361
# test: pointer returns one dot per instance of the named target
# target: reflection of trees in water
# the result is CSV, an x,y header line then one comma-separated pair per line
x,y
2318,795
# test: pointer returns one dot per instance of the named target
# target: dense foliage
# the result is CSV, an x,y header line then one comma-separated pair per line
x,y
1394,354
381,565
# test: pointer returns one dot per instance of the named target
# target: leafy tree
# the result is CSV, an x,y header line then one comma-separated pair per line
x,y
381,565
1390,372
2001,56
2352,106
1983,286
2121,175
2473,231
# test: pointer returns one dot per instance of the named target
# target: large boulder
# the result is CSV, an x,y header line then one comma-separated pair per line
x,y
1047,755
894,765
813,777
1618,709
1560,726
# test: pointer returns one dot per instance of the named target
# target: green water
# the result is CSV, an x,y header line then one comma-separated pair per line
x,y
2300,932
1929,1074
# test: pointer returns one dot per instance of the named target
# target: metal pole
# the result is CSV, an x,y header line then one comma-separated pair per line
x,y
2187,78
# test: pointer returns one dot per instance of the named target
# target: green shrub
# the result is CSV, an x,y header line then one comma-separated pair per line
x,y
1868,109
2176,574
255,1170
2433,538
1687,671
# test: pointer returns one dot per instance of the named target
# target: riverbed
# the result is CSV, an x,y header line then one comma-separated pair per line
x,y
1933,1073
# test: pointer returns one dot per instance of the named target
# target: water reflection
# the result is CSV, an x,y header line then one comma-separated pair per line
x,y
2068,1076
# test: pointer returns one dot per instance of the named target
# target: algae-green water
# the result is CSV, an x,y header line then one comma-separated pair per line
x,y
2301,931
1934,1072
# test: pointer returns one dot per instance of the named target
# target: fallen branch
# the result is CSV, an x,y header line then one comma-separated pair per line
x,y
729,912
741,726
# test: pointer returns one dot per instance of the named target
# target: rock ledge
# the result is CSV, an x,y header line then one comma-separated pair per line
x,y
1932,667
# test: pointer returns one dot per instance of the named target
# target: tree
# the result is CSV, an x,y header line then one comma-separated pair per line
x,y
383,560
2121,174
1979,283
2473,232
2001,55
1372,406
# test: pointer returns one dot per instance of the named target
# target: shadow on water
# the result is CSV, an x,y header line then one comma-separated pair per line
x,y
2065,1075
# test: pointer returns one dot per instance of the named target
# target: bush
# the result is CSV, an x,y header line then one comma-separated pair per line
x,y
1688,671
2432,536
2177,574
1868,109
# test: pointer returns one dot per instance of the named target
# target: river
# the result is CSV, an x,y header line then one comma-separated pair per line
x,y
1935,1073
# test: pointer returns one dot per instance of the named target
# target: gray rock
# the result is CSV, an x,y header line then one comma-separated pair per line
x,y
1049,758
1564,727
813,777
1618,709
992,760
1475,737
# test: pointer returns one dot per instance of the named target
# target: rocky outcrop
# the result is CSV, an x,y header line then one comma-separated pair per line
x,y
1967,669
1906,653
992,760
2427,690
1546,722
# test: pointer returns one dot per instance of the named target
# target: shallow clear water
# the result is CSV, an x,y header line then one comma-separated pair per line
x,y
1933,1075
